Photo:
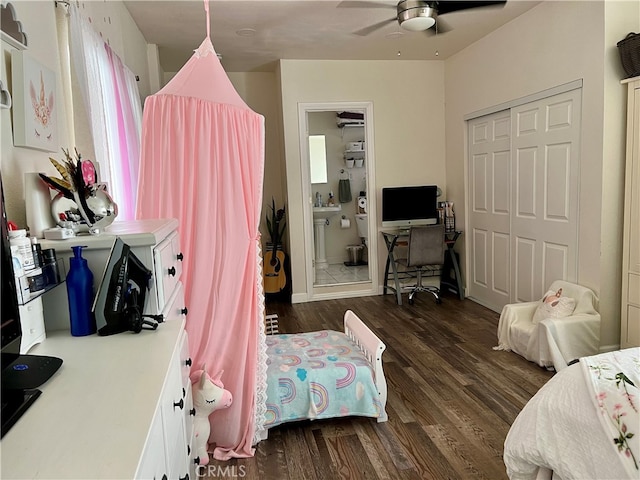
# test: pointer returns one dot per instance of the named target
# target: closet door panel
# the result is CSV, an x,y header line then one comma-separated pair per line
x,y
545,140
501,272
525,268
490,205
555,262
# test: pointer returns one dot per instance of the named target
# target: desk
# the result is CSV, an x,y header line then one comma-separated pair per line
x,y
450,261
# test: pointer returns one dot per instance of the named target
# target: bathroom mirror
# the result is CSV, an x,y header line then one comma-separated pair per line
x,y
318,158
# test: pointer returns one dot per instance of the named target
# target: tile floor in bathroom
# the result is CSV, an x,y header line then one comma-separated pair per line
x,y
340,273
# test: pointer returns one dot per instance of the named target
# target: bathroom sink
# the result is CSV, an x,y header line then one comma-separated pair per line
x,y
326,212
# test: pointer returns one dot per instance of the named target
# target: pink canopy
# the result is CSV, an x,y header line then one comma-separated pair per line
x,y
202,162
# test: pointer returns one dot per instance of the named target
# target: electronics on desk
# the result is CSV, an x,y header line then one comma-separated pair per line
x,y
59,233
119,303
403,207
21,375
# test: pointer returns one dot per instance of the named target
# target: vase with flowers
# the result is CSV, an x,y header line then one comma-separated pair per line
x,y
81,199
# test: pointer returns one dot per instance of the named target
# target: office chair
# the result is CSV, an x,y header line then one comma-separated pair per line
x,y
426,254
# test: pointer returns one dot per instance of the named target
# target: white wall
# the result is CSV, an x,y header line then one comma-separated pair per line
x,y
408,108
39,23
552,44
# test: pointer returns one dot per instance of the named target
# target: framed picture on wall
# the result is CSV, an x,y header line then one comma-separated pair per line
x,y
35,103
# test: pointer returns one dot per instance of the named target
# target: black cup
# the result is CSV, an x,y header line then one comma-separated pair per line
x,y
50,266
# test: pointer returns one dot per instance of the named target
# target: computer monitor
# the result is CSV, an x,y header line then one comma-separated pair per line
x,y
403,207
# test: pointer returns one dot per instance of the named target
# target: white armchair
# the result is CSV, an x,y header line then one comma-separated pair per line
x,y
553,341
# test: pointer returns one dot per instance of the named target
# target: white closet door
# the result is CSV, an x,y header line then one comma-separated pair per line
x,y
489,207
545,172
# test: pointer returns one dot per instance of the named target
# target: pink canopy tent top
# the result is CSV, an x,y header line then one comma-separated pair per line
x,y
202,162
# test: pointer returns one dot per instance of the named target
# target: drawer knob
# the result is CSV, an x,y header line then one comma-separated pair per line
x,y
196,460
184,311
180,256
188,362
172,271
192,412
164,476
178,404
186,477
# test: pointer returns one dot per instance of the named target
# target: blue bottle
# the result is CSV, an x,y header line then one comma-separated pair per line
x,y
80,293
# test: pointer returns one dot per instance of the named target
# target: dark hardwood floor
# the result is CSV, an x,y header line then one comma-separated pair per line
x,y
451,398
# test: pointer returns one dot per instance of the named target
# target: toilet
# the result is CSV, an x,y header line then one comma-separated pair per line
x,y
362,222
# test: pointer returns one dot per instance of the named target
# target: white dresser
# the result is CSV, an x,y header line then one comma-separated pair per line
x,y
120,406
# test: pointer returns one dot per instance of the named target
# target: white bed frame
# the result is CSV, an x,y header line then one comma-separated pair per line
x,y
372,348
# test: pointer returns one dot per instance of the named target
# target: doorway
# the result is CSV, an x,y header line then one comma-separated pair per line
x,y
337,175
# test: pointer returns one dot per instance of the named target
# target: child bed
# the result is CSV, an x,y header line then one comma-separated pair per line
x,y
582,424
325,374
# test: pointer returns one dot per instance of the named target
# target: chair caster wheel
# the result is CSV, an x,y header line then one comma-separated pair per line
x,y
410,301
438,301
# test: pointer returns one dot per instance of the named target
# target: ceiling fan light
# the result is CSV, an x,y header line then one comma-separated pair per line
x,y
418,24
416,15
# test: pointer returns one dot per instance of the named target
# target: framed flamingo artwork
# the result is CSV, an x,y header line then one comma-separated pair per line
x,y
35,104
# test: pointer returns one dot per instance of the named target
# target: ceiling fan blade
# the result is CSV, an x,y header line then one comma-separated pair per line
x,y
442,27
365,4
455,5
372,28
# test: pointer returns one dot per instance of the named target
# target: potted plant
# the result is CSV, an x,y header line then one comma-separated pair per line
x,y
275,279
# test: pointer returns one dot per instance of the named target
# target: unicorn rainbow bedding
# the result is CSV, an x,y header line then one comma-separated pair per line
x,y
318,375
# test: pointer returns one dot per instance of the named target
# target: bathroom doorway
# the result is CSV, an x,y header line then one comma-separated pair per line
x,y
337,167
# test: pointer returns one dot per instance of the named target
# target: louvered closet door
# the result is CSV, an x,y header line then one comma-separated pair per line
x,y
545,172
489,175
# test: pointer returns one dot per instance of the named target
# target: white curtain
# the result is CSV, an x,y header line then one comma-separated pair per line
x,y
110,94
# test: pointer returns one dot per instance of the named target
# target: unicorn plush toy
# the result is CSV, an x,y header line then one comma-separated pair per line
x,y
209,395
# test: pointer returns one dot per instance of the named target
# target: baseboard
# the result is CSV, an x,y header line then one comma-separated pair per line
x,y
298,298
609,348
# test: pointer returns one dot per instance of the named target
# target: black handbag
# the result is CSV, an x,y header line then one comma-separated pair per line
x,y
629,49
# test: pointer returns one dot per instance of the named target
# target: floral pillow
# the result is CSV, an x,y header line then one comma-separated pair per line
x,y
554,305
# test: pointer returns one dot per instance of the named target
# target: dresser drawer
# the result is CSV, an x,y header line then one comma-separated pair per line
x,y
189,411
175,308
167,259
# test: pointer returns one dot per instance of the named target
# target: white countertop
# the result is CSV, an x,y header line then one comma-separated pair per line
x,y
137,233
93,416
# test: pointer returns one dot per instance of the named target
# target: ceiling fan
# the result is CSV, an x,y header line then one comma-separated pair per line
x,y
418,15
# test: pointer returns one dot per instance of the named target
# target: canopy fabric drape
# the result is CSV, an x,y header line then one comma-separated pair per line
x,y
202,162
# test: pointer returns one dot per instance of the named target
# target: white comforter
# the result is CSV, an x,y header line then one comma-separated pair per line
x,y
561,430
